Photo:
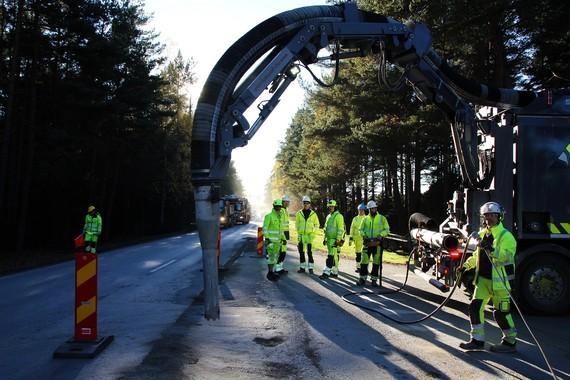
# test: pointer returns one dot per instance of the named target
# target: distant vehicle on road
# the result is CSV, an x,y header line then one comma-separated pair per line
x,y
234,210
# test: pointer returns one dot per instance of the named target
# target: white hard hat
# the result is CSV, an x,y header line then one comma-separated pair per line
x,y
306,198
285,198
491,208
362,206
371,204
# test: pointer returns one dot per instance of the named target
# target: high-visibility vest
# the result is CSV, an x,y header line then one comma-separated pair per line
x,y
93,226
355,227
334,226
285,219
273,226
502,256
306,226
374,227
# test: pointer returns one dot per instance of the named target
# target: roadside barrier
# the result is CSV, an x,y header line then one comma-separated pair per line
x,y
85,342
259,246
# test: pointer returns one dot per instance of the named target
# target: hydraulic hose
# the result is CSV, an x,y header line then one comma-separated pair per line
x,y
399,321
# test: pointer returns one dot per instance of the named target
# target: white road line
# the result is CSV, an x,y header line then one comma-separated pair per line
x,y
163,266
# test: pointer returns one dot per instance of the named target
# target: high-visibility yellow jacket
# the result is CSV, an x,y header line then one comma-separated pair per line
x,y
355,227
374,227
502,257
273,227
285,219
93,226
307,226
334,226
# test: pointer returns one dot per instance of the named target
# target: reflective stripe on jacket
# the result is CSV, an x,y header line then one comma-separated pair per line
x,y
306,226
334,226
376,227
93,224
502,257
285,219
273,226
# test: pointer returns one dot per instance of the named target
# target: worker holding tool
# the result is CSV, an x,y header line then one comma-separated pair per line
x,y
494,263
374,229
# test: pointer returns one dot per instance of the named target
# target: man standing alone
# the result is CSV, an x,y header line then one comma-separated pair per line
x,y
92,229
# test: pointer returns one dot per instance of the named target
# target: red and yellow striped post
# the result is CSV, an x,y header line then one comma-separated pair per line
x,y
85,342
259,241
85,296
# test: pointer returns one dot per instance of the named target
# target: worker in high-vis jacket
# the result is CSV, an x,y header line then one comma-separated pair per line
x,y
92,229
494,263
334,239
374,229
355,236
274,238
279,267
307,223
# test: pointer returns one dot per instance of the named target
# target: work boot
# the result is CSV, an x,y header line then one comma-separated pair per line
x,y
301,270
324,276
360,282
311,271
504,347
357,270
373,283
334,275
473,344
272,276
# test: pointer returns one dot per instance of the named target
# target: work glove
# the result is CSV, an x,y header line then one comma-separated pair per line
x,y
487,243
286,234
366,241
325,242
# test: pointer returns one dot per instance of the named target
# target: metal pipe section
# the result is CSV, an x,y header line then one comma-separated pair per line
x,y
435,239
430,280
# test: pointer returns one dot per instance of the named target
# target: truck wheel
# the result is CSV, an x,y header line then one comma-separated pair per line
x,y
544,285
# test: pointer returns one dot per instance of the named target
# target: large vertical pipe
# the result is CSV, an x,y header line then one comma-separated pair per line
x,y
208,221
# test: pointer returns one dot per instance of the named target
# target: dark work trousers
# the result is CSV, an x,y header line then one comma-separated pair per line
x,y
302,254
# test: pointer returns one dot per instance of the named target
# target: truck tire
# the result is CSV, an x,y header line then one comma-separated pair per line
x,y
544,284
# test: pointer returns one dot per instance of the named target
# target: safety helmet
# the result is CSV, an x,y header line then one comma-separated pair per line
x,y
91,208
362,206
491,208
278,202
285,198
332,203
371,204
306,199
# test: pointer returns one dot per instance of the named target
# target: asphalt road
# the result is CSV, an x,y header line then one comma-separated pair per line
x,y
298,328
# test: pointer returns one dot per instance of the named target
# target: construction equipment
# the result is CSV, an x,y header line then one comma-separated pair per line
x,y
529,181
234,210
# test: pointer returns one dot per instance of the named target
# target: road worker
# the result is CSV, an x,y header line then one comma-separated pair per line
x,y
494,263
279,268
355,236
334,239
307,224
92,229
374,229
274,238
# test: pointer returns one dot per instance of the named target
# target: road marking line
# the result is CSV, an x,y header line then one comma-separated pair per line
x,y
163,266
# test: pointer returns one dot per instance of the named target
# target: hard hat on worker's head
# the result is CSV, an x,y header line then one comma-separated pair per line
x,y
371,204
306,199
331,203
91,208
491,208
285,198
362,206
278,202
